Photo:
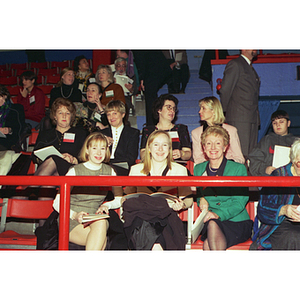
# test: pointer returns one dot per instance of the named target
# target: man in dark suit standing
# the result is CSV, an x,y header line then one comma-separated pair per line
x,y
123,139
239,97
154,71
180,70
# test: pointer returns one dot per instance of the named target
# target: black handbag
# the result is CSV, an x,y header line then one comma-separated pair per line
x,y
47,235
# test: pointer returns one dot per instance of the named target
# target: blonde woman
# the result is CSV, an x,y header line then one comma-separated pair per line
x,y
89,200
151,212
66,87
211,114
109,89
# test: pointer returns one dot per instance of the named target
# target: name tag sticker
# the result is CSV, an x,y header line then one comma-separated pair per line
x,y
69,137
32,99
109,93
92,80
97,117
174,136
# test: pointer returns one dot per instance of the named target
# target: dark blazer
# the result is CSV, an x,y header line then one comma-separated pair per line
x,y
240,91
15,120
127,149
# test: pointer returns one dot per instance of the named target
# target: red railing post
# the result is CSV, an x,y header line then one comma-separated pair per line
x,y
64,217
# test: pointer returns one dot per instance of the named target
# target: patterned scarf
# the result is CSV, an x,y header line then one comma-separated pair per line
x,y
4,109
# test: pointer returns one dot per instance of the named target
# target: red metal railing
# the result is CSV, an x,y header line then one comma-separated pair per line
x,y
65,183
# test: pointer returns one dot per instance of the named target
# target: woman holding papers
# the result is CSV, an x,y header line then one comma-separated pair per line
x,y
109,89
278,210
159,222
164,109
88,201
66,139
211,114
227,222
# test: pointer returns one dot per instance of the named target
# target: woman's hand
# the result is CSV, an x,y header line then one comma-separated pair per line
x,y
70,159
176,153
291,212
269,170
203,204
210,215
78,216
102,209
99,104
24,93
178,205
110,140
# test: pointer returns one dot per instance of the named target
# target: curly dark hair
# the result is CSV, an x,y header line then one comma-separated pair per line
x,y
4,91
160,102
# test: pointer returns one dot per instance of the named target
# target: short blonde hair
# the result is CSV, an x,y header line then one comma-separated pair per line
x,y
115,105
147,157
214,104
108,69
95,137
216,131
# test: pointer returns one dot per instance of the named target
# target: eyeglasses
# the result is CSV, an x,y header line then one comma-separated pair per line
x,y
121,66
169,107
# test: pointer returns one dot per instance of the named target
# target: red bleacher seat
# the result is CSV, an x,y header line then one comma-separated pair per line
x,y
60,64
22,66
13,80
52,79
46,88
198,244
21,209
47,72
39,65
14,90
5,73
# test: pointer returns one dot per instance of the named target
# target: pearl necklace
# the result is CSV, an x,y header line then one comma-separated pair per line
x,y
212,169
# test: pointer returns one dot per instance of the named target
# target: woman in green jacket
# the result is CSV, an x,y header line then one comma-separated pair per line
x,y
227,222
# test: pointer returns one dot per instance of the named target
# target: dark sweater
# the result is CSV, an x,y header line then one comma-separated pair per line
x,y
65,91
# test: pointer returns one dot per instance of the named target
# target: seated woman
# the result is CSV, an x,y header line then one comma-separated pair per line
x,y
164,110
66,88
123,139
12,121
211,114
227,222
32,98
83,73
66,139
152,215
89,200
109,89
91,113
278,210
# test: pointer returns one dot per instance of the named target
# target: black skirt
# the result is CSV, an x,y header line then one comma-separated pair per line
x,y
286,236
235,232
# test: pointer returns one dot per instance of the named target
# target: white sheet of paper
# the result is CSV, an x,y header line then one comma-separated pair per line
x,y
281,156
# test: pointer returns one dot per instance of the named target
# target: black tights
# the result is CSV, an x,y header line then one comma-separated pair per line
x,y
215,237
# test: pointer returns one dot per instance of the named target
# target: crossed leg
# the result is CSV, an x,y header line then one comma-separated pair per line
x,y
215,238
